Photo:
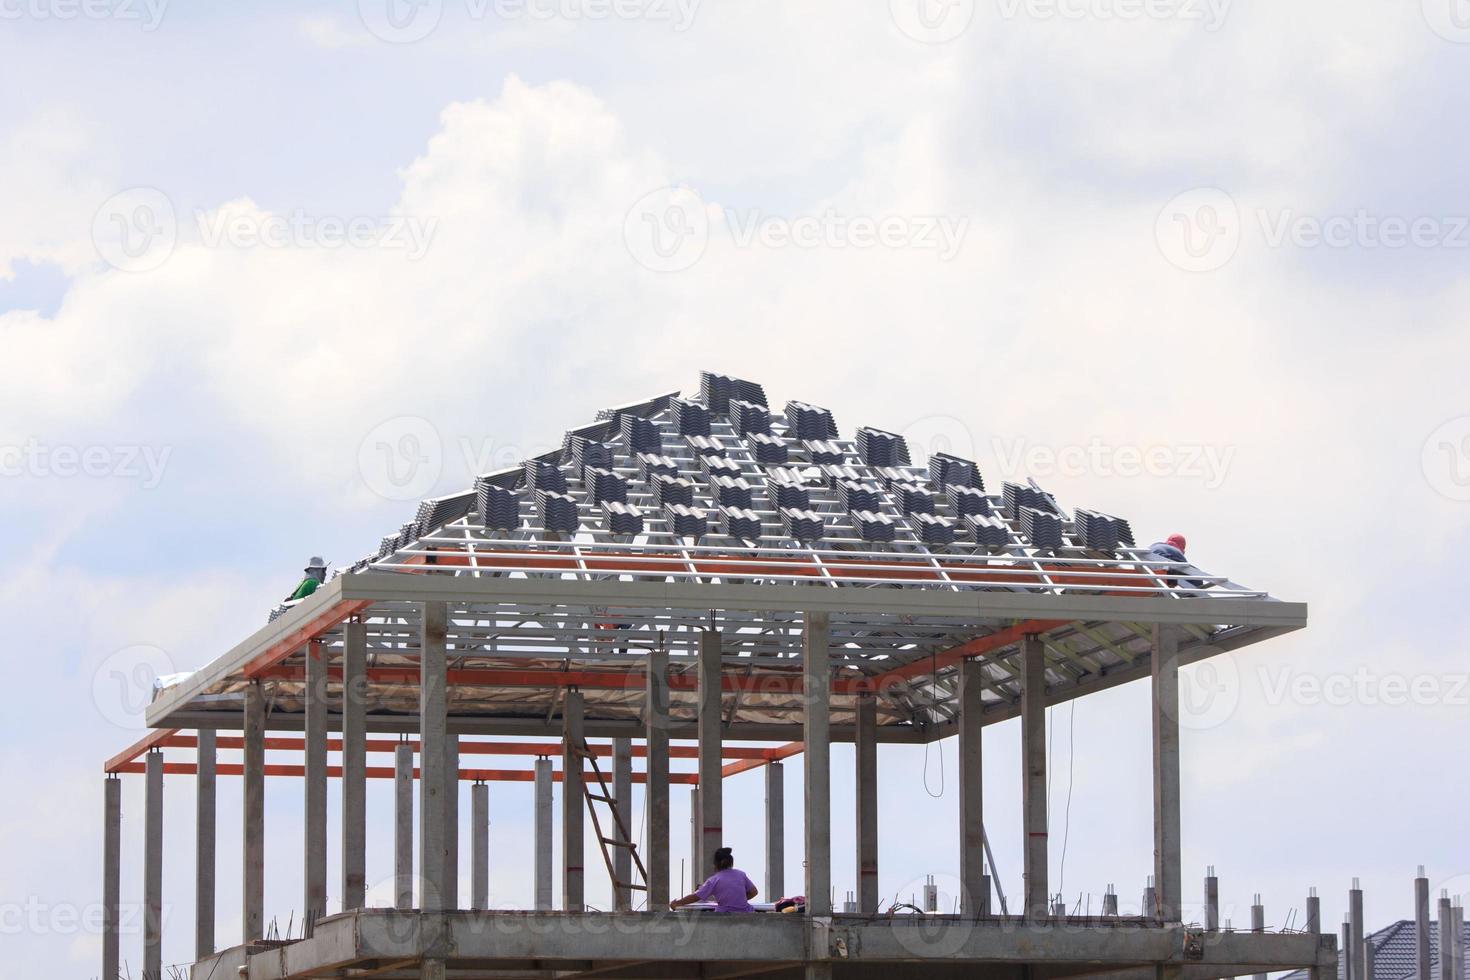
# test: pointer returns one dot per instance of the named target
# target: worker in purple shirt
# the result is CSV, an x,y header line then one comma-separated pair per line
x,y
729,887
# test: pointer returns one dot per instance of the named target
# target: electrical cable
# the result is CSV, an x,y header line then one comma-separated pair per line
x,y
1067,818
933,682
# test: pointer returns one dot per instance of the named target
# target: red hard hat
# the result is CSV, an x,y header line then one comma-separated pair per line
x,y
1177,540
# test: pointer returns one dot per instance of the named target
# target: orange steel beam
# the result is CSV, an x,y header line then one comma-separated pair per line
x,y
387,772
275,743
153,739
767,756
308,631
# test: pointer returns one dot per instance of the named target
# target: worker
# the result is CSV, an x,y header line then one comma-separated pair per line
x,y
316,574
1171,550
729,888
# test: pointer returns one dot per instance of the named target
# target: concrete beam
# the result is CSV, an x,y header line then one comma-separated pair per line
x,y
354,766
656,789
153,867
542,835
817,681
252,858
711,722
973,886
775,831
205,841
403,826
111,877
480,846
1037,897
433,761
866,789
622,787
1168,880
573,806
314,850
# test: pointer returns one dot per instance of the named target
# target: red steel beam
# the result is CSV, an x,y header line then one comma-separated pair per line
x,y
972,648
767,756
303,634
387,772
276,743
592,680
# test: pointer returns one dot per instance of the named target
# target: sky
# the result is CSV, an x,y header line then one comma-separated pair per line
x,y
271,272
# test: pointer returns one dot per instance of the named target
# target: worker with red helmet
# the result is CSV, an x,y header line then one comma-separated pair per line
x,y
1171,550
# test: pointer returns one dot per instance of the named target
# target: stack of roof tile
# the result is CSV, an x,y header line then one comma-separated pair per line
x,y
669,490
621,518
785,494
543,474
557,511
604,485
932,529
730,491
717,390
912,498
823,451
809,421
640,435
1102,532
1018,497
989,531
685,521
767,449
946,470
500,509
747,417
740,522
879,448
967,501
590,452
690,418
1043,528
651,464
803,525
858,495
873,527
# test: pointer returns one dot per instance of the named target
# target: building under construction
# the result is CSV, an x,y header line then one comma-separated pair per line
x,y
691,577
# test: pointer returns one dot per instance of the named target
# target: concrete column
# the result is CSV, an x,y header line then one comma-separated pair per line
x,y
1458,946
451,821
656,789
433,760
403,825
354,765
623,792
573,877
111,877
696,839
866,783
1421,926
205,814
1314,926
1355,923
480,846
775,831
314,856
153,868
972,794
1258,924
1110,903
1344,954
1368,952
1033,769
252,906
1212,901
711,756
432,970
542,835
1150,897
1167,878
1447,939
817,680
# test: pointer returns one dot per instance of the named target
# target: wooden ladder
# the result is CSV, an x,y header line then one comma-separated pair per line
x,y
601,794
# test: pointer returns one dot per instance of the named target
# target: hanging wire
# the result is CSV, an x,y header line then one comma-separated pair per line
x,y
933,684
1067,818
